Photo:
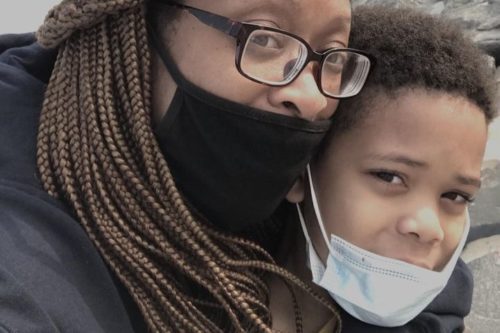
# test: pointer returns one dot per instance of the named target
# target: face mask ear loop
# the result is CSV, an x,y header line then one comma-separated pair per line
x,y
316,209
467,223
303,224
458,251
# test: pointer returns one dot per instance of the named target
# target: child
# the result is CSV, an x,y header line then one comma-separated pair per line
x,y
385,206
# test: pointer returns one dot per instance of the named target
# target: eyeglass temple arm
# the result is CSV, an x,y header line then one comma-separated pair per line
x,y
221,23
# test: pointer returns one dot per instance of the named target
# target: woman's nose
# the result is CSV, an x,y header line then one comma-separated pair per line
x,y
424,225
303,97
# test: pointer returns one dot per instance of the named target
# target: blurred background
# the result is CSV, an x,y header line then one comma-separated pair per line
x,y
481,20
23,15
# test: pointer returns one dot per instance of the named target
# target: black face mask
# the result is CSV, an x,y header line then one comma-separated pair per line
x,y
234,164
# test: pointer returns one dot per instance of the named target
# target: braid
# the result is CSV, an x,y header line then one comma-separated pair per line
x,y
97,152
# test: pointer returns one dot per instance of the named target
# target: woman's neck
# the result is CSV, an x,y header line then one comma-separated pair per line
x,y
292,256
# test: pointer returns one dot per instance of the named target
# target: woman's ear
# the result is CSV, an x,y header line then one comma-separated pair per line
x,y
296,193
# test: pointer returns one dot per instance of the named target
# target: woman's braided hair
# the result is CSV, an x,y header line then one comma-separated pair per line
x,y
97,152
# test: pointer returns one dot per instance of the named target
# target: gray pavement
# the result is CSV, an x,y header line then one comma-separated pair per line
x,y
482,254
483,257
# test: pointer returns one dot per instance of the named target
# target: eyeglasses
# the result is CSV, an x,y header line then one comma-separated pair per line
x,y
275,57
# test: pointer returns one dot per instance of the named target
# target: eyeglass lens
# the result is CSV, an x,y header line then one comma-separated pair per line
x,y
275,58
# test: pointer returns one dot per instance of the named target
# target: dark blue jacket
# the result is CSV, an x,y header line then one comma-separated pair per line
x,y
52,279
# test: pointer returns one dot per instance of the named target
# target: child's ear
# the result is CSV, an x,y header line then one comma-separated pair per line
x,y
296,193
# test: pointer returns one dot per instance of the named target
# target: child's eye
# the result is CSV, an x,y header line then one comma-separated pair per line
x,y
388,177
458,198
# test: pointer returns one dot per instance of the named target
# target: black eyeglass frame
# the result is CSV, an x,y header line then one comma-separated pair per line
x,y
241,31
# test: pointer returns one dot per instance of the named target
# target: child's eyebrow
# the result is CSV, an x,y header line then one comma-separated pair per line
x,y
402,159
397,158
468,180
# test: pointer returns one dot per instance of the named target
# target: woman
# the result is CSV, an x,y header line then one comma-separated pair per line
x,y
162,146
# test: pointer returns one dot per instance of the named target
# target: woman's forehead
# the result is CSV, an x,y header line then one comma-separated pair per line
x,y
327,8
307,18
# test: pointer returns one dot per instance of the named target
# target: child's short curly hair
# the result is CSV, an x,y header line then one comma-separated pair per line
x,y
415,50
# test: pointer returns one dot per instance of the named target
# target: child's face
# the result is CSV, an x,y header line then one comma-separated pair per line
x,y
397,184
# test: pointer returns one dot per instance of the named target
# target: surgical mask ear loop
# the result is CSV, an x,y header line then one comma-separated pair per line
x,y
316,209
303,224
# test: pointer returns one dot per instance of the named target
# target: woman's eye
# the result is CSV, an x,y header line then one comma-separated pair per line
x,y
265,40
337,58
458,198
334,63
388,177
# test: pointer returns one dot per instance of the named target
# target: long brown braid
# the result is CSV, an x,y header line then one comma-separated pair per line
x,y
97,152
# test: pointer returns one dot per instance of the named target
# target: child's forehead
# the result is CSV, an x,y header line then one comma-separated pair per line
x,y
417,120
411,102
436,109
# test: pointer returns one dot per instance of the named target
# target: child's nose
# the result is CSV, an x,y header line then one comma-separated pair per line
x,y
424,224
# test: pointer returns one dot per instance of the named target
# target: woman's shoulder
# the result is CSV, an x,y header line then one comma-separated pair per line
x,y
51,276
24,71
21,52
